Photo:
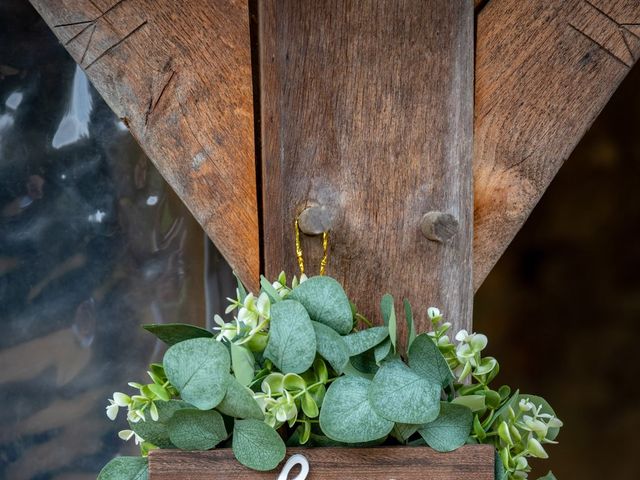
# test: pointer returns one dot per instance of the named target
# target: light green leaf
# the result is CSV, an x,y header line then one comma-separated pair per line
x,y
425,359
401,395
199,369
411,328
346,414
389,317
331,346
238,402
382,351
160,392
267,288
326,302
172,333
309,405
196,429
125,468
157,432
475,403
548,476
242,292
292,339
242,364
364,340
256,445
450,430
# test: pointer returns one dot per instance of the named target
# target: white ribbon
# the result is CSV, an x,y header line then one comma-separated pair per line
x,y
294,460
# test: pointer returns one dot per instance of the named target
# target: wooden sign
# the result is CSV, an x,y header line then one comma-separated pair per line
x,y
471,462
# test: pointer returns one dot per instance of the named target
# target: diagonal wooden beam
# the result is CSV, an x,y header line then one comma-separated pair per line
x,y
544,71
179,75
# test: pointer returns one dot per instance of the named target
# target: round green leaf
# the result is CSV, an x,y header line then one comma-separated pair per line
x,y
331,346
196,429
450,430
256,445
425,359
364,340
172,333
157,432
326,302
346,414
125,468
399,394
238,402
292,340
199,369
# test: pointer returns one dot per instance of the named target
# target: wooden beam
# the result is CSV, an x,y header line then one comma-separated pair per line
x,y
471,462
544,71
367,115
179,75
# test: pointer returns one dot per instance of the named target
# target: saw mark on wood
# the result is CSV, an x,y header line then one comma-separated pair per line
x,y
613,55
152,104
115,45
86,48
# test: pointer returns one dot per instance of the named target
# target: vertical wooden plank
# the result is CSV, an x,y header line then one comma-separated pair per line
x,y
367,111
179,75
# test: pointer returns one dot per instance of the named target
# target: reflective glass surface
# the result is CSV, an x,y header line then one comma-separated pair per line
x,y
93,243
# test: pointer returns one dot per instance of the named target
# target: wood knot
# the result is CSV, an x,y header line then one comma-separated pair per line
x,y
438,226
316,219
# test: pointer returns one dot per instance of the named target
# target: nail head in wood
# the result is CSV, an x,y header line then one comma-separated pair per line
x,y
438,226
315,220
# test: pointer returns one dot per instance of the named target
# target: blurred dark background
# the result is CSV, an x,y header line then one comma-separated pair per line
x,y
562,306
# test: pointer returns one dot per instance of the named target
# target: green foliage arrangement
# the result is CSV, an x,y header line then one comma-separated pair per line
x,y
298,365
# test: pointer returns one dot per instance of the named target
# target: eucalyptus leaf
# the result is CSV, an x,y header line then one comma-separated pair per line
x,y
450,430
382,351
157,432
331,346
365,362
125,468
499,469
425,359
349,369
199,369
411,328
402,431
193,429
238,402
401,395
256,445
172,333
364,340
242,363
326,302
292,340
389,318
347,415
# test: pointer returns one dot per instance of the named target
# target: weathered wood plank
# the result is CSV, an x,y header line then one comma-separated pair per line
x,y
471,462
544,71
179,74
367,111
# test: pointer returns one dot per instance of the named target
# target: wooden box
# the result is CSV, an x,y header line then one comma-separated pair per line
x,y
471,462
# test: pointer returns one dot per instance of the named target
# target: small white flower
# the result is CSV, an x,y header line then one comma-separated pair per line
x,y
248,317
112,410
121,399
263,305
462,336
126,435
433,313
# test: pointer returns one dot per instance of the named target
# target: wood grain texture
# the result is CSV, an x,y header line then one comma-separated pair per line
x,y
471,462
544,71
367,110
179,75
